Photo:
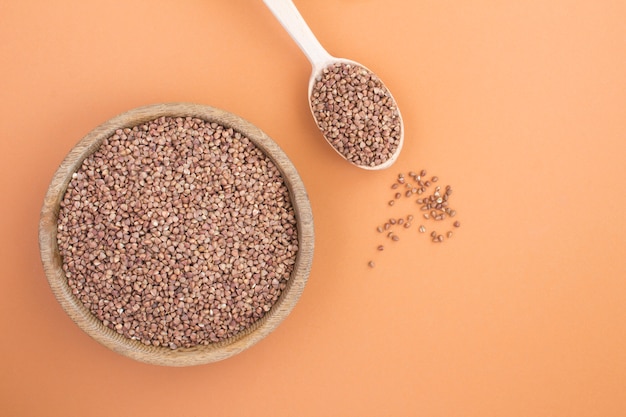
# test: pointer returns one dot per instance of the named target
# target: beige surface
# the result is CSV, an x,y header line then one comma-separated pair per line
x,y
519,105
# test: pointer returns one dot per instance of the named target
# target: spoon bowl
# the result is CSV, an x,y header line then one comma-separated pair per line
x,y
291,19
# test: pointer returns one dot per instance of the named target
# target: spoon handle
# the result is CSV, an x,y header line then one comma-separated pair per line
x,y
291,19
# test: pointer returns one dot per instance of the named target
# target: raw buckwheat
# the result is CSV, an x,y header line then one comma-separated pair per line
x,y
177,232
356,113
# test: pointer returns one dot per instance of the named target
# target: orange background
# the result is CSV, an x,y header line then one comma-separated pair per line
x,y
519,105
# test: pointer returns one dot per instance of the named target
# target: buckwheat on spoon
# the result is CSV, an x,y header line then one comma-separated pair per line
x,y
353,109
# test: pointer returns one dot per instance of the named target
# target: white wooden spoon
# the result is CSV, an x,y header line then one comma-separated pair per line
x,y
287,14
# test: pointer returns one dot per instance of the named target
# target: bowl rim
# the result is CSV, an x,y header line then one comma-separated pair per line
x,y
159,355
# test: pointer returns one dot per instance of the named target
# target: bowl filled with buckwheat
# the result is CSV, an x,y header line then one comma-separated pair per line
x,y
177,234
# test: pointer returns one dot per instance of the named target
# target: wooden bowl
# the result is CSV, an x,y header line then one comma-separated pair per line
x,y
134,349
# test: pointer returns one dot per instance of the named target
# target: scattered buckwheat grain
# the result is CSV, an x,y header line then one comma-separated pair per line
x,y
434,203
